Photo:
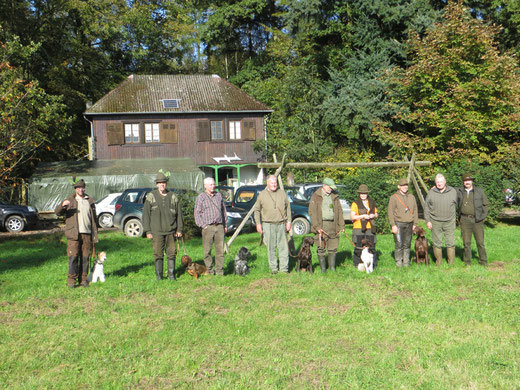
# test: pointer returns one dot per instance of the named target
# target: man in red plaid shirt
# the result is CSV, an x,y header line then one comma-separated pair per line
x,y
211,217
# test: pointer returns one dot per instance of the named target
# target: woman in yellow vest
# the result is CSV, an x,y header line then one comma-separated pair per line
x,y
363,212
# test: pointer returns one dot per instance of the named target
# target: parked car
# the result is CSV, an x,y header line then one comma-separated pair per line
x,y
16,218
245,198
310,188
105,209
511,197
129,213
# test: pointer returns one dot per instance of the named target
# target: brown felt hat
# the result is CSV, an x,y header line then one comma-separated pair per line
x,y
363,189
402,182
161,178
79,183
467,176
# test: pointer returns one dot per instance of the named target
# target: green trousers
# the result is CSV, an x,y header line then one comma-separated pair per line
x,y
274,237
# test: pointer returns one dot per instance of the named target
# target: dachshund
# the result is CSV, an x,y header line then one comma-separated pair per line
x,y
192,268
304,257
421,247
241,267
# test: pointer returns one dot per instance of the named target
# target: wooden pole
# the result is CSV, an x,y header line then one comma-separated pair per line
x,y
313,165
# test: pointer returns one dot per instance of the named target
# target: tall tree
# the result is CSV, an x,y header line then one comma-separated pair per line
x,y
459,98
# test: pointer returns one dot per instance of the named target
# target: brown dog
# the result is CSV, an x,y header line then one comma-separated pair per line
x,y
304,262
421,247
192,268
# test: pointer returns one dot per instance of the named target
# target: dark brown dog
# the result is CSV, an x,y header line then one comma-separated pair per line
x,y
192,268
304,262
421,247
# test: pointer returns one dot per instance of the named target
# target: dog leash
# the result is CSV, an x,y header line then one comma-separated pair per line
x,y
346,235
183,247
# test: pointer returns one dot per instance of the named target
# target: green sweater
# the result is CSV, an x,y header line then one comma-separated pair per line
x,y
441,206
272,207
162,215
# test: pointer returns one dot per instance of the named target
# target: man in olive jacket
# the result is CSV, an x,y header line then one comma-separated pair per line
x,y
473,210
327,222
162,222
81,232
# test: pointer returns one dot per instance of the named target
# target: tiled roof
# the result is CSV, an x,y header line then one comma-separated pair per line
x,y
196,93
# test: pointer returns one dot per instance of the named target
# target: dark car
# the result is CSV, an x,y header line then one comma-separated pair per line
x,y
16,218
245,198
129,212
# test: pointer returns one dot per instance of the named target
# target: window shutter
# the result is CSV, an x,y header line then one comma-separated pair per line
x,y
249,132
115,135
203,131
169,133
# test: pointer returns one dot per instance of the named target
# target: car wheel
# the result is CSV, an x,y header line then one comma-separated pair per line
x,y
14,224
105,220
301,226
133,228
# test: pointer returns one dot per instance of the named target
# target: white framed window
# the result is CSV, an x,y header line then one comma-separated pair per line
x,y
132,133
234,130
216,130
151,132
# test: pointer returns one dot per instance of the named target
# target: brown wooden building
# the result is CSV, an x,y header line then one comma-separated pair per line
x,y
202,117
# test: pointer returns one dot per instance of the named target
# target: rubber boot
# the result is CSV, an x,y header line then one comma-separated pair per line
x,y
323,264
406,257
332,261
71,280
73,271
159,269
84,281
451,254
398,255
437,252
171,269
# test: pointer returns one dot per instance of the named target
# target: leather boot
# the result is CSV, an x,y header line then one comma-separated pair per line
x,y
323,264
437,252
171,269
451,254
332,261
158,269
398,255
84,281
406,257
71,280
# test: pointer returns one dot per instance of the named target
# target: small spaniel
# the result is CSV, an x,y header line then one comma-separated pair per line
x,y
97,272
367,257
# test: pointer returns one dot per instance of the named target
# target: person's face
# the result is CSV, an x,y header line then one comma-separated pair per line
x,y
327,189
440,184
468,184
272,184
363,196
403,188
161,186
210,187
80,191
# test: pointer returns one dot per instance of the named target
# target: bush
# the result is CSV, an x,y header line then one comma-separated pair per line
x,y
187,200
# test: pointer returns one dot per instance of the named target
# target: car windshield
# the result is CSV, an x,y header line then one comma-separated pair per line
x,y
293,194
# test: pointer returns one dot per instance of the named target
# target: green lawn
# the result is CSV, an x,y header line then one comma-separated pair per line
x,y
422,327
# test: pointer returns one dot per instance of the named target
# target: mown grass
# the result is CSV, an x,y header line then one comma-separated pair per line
x,y
422,327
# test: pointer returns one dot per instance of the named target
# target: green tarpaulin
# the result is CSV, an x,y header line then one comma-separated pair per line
x,y
51,182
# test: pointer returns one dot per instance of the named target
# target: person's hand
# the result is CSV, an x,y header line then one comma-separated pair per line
x,y
320,232
65,203
371,216
288,226
259,228
225,230
394,229
429,225
178,234
149,235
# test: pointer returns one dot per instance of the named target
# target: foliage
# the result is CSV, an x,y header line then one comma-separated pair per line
x,y
31,120
187,200
458,98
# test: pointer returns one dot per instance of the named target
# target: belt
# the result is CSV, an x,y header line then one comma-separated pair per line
x,y
328,220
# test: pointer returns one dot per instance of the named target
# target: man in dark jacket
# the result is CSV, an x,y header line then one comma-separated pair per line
x,y
327,222
162,220
473,208
81,232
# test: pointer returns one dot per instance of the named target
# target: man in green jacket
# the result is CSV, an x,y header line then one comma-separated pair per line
x,y
327,222
440,213
162,222
473,210
402,215
81,232
273,220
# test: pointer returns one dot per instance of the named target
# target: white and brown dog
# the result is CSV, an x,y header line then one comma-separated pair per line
x,y
367,257
97,272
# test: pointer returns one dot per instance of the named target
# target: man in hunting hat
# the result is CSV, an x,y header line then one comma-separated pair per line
x,y
162,222
327,222
440,213
363,213
273,220
473,208
79,210
402,215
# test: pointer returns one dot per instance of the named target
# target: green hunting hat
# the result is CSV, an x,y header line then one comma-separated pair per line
x,y
363,189
329,182
467,176
161,178
402,182
79,183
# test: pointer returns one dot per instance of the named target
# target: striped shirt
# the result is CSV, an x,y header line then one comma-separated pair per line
x,y
210,210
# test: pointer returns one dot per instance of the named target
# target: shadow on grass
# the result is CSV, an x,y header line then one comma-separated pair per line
x,y
36,258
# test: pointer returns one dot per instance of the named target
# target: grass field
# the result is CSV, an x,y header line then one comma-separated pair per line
x,y
417,328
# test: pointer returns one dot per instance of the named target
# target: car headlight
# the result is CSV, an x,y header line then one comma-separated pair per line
x,y
31,209
234,214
